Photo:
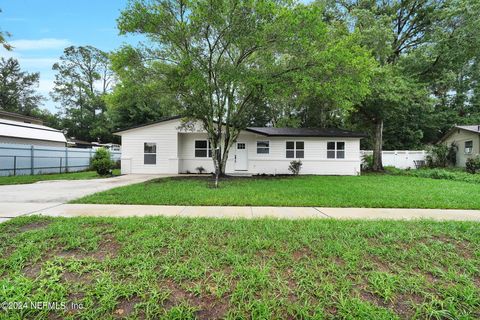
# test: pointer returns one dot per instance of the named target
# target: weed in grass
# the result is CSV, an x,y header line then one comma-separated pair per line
x,y
172,268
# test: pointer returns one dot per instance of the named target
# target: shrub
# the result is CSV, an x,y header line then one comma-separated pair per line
x,y
436,173
472,165
367,162
295,167
441,156
102,163
200,169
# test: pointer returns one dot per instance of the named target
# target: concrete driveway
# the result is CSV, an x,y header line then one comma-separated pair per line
x,y
20,199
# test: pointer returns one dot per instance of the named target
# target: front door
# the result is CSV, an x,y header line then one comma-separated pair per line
x,y
241,157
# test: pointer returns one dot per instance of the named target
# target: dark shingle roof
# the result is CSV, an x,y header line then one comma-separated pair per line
x,y
305,132
279,132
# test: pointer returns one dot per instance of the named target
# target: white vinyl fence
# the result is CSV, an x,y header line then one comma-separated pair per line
x,y
401,159
21,159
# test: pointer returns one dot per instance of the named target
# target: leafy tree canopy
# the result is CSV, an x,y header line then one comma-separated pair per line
x,y
226,59
83,79
18,88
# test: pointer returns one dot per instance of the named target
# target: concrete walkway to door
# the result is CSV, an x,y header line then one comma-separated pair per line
x,y
96,210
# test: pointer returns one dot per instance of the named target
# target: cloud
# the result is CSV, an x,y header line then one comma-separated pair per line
x,y
37,63
39,44
30,63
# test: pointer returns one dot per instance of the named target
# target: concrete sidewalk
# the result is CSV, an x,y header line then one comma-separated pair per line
x,y
111,210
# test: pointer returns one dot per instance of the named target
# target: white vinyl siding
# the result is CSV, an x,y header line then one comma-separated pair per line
x,y
175,152
164,135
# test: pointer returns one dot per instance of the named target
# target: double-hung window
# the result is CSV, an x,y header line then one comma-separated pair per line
x,y
263,147
295,149
336,150
149,153
203,149
468,147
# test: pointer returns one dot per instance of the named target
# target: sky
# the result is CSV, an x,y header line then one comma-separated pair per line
x,y
41,29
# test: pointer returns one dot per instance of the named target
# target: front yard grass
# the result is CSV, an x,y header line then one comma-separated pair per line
x,y
373,191
177,268
25,179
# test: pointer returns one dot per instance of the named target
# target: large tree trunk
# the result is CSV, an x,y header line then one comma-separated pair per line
x,y
377,146
217,162
220,162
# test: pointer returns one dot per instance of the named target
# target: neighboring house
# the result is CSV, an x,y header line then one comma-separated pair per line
x,y
167,146
19,117
17,132
113,147
72,142
467,141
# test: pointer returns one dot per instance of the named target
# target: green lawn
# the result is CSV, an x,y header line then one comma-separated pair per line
x,y
54,176
384,191
177,268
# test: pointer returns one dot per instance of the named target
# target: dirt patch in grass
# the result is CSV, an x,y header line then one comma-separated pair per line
x,y
462,247
266,254
108,248
7,252
125,307
382,265
34,226
32,271
372,298
292,286
464,250
74,277
208,306
302,253
339,261
402,304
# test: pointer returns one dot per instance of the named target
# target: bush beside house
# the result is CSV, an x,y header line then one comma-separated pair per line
x,y
102,162
472,165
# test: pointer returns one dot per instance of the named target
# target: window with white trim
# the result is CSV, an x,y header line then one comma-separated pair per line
x,y
468,147
149,153
263,147
295,149
335,150
203,149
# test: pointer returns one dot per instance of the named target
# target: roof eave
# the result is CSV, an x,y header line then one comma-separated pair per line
x,y
118,133
449,133
38,139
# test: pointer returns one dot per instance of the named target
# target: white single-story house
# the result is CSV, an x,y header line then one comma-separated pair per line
x,y
169,146
467,141
16,132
